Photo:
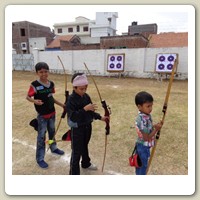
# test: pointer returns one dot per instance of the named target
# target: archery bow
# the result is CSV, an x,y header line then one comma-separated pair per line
x,y
164,110
64,111
107,113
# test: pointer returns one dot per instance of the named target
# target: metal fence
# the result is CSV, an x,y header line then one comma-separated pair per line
x,y
24,62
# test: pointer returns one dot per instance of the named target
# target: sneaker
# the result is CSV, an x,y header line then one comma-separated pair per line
x,y
92,167
42,164
58,151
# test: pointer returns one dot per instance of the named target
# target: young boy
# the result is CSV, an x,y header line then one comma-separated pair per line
x,y
81,113
41,94
145,129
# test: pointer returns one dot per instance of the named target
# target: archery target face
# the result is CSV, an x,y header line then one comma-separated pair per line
x,y
115,63
165,62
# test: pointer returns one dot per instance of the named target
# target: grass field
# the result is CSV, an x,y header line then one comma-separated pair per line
x,y
171,156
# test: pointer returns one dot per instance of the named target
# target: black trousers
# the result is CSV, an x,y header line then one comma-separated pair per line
x,y
80,138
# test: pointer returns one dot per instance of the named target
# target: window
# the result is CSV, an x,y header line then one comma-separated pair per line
x,y
59,30
23,46
22,32
85,28
78,29
70,30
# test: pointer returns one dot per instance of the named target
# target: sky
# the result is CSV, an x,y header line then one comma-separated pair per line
x,y
169,18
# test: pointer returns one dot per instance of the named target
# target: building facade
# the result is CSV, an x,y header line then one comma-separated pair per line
x,y
144,29
104,25
169,39
23,31
79,27
123,42
88,30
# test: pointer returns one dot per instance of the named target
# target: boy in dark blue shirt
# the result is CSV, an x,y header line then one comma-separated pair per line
x,y
81,113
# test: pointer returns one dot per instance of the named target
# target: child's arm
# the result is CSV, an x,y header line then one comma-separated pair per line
x,y
157,127
35,101
59,103
93,107
105,118
30,94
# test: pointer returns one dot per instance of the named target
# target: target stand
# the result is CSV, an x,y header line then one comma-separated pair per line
x,y
115,63
164,64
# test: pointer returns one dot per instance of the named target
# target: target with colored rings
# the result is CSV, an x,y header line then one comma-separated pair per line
x,y
161,66
169,66
112,65
112,58
165,62
162,58
119,65
119,58
170,58
115,62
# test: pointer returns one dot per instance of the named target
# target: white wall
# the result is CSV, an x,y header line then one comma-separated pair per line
x,y
89,40
102,27
39,43
139,62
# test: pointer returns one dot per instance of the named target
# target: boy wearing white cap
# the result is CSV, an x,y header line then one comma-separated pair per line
x,y
81,113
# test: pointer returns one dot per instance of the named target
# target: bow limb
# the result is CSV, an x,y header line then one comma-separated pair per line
x,y
66,91
93,82
106,114
164,110
66,98
104,157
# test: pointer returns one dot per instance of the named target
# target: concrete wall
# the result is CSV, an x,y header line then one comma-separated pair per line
x,y
39,42
139,62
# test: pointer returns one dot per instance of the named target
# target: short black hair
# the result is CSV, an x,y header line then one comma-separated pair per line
x,y
75,75
143,97
41,65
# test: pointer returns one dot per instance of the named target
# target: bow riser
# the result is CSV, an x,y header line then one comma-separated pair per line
x,y
106,114
66,98
164,110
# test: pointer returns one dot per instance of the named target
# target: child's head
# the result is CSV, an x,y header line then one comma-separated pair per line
x,y
144,102
41,65
42,70
80,83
